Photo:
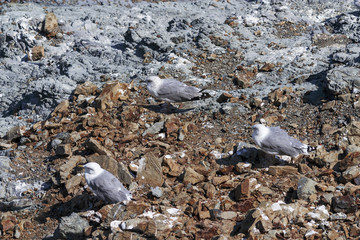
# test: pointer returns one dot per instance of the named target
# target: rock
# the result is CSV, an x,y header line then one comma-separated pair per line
x,y
62,107
242,190
96,147
319,214
154,129
352,159
63,150
50,24
111,93
149,171
255,220
175,168
224,97
282,170
244,76
144,226
354,132
72,227
172,126
192,177
219,180
36,53
342,79
351,173
280,96
67,168
156,191
73,183
345,204
86,89
110,164
306,187
14,133
7,225
242,167
210,190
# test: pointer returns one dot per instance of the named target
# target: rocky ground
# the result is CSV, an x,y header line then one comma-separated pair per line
x,y
71,93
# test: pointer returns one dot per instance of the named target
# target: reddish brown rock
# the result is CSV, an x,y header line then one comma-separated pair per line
x,y
282,170
86,89
111,93
36,53
150,171
50,24
242,190
192,177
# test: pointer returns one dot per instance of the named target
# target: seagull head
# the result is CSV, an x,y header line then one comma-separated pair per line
x,y
153,80
92,168
259,129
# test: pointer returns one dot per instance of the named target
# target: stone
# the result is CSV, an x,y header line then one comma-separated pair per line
x,y
243,77
282,170
345,204
118,169
342,79
229,215
191,176
7,225
175,168
14,133
242,190
210,190
219,180
242,167
156,191
351,173
354,132
224,97
50,24
36,53
63,150
255,220
351,159
306,187
150,171
62,107
154,129
172,126
72,227
96,147
145,226
111,93
67,168
73,183
87,89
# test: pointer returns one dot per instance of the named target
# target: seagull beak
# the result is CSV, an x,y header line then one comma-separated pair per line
x,y
81,165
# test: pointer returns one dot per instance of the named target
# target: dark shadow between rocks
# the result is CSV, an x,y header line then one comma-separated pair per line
x,y
161,109
78,203
316,97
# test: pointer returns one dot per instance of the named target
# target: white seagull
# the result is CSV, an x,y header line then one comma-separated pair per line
x,y
276,141
105,185
172,90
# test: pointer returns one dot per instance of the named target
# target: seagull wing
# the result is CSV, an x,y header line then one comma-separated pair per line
x,y
175,91
279,142
107,187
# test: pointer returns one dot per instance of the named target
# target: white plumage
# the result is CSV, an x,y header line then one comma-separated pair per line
x,y
105,185
274,140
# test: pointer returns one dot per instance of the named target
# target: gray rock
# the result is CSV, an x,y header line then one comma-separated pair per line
x,y
341,80
156,191
72,227
156,128
306,187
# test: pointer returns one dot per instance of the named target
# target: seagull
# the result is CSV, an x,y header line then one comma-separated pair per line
x,y
172,90
276,141
105,185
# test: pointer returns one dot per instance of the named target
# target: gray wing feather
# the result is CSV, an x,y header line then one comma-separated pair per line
x,y
279,142
106,186
177,91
